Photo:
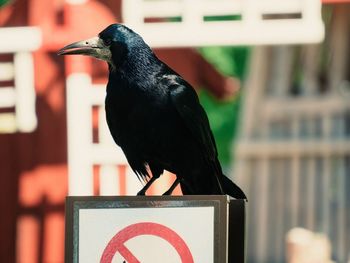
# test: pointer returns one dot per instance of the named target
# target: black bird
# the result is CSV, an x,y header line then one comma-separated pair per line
x,y
155,116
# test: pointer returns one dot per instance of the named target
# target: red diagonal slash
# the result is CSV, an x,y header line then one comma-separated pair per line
x,y
116,244
127,255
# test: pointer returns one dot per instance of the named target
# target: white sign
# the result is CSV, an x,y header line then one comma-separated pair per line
x,y
154,229
169,234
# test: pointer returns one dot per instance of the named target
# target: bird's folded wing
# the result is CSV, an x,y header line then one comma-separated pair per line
x,y
192,113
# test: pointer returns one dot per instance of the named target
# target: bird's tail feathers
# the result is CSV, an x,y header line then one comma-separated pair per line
x,y
232,189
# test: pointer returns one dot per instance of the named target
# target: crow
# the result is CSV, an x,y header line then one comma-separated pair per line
x,y
155,116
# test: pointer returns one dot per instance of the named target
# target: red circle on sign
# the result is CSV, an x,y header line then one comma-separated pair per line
x,y
116,244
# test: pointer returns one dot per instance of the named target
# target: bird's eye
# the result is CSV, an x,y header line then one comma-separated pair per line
x,y
107,41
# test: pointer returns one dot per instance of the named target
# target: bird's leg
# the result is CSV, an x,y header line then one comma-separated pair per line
x,y
156,172
172,187
148,184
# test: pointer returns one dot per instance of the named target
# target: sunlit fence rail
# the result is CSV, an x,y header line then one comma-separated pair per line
x,y
225,22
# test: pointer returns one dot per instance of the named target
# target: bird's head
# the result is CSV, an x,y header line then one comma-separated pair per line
x,y
111,45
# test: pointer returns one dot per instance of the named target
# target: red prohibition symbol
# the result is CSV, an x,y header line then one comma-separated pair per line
x,y
116,244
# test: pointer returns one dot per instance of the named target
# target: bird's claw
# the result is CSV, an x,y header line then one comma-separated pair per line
x,y
167,192
141,192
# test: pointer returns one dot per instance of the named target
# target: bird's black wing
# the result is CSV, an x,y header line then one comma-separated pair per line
x,y
186,102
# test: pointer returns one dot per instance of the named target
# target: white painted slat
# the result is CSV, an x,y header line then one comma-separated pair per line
x,y
16,39
7,123
7,97
160,8
25,93
109,183
229,33
7,71
80,179
280,7
97,94
225,7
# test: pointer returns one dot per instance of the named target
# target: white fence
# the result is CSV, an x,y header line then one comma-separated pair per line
x,y
83,153
17,100
114,176
174,23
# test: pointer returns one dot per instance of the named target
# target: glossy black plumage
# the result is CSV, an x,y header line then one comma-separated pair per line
x,y
155,117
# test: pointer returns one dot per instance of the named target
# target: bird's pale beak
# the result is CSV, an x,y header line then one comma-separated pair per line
x,y
89,47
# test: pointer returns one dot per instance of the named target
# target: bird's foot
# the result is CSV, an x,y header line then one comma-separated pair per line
x,y
169,192
142,192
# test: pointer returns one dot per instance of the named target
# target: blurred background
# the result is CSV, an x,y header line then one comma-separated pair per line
x,y
273,76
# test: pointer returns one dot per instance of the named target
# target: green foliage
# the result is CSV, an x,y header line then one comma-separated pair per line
x,y
222,18
223,115
4,2
230,61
